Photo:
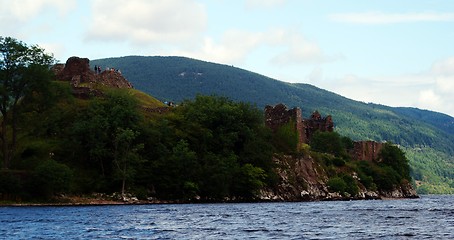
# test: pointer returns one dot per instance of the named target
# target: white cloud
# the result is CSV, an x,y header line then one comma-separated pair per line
x,y
388,18
27,9
147,21
16,16
432,89
289,48
429,99
234,46
53,48
444,67
299,50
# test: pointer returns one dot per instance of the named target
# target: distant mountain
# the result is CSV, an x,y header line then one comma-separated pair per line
x,y
419,131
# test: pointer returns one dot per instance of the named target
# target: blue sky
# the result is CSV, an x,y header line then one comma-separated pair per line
x,y
396,53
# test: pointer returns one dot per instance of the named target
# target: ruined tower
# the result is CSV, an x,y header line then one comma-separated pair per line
x,y
279,115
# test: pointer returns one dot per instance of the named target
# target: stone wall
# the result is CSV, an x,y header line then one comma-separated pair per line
x,y
367,151
277,116
317,123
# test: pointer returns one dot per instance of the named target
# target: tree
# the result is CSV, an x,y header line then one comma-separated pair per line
x,y
23,70
52,177
328,142
231,143
392,156
125,155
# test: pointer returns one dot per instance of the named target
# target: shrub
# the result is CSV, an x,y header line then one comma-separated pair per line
x,y
351,185
328,142
337,184
9,185
51,177
338,162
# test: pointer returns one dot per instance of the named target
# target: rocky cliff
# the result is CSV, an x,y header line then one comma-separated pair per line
x,y
302,178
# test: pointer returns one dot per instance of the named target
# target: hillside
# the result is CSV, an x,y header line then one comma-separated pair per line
x,y
426,136
88,134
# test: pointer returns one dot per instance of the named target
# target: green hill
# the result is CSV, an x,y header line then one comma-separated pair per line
x,y
427,137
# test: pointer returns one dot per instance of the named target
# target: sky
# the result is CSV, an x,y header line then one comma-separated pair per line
x,y
395,53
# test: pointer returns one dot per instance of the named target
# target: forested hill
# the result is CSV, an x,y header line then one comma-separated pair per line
x,y
427,136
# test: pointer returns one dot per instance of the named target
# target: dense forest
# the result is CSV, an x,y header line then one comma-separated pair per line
x,y
426,136
209,148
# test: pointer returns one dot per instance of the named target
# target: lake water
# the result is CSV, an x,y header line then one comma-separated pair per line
x,y
430,217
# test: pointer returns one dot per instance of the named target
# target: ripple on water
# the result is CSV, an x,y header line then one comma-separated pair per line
x,y
430,217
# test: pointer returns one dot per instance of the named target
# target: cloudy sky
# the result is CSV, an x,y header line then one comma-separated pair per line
x,y
396,53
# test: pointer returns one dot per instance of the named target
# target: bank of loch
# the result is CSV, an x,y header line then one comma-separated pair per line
x,y
318,164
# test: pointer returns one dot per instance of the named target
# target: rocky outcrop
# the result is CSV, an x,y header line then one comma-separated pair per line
x,y
303,179
300,179
405,190
85,83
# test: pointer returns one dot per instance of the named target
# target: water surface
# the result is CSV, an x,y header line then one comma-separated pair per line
x,y
430,217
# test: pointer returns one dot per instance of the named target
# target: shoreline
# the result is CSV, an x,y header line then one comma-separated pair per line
x,y
86,202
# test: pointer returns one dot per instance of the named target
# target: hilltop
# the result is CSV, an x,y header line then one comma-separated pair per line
x,y
427,137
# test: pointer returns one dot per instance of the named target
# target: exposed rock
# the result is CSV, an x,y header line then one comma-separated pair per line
x,y
405,190
303,179
84,81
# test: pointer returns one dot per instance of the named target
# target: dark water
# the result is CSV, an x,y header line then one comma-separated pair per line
x,y
430,217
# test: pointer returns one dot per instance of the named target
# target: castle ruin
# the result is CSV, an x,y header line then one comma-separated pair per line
x,y
83,80
279,115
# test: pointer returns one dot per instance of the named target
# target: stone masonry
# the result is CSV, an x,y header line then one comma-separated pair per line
x,y
367,151
279,115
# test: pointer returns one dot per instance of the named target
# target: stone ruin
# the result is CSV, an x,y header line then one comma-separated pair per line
x,y
279,115
84,81
367,151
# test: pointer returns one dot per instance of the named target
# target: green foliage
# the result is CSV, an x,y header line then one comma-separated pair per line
x,y
342,184
384,177
248,180
328,142
392,156
125,155
285,139
52,177
338,162
10,185
337,184
431,169
351,185
23,70
212,147
183,78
